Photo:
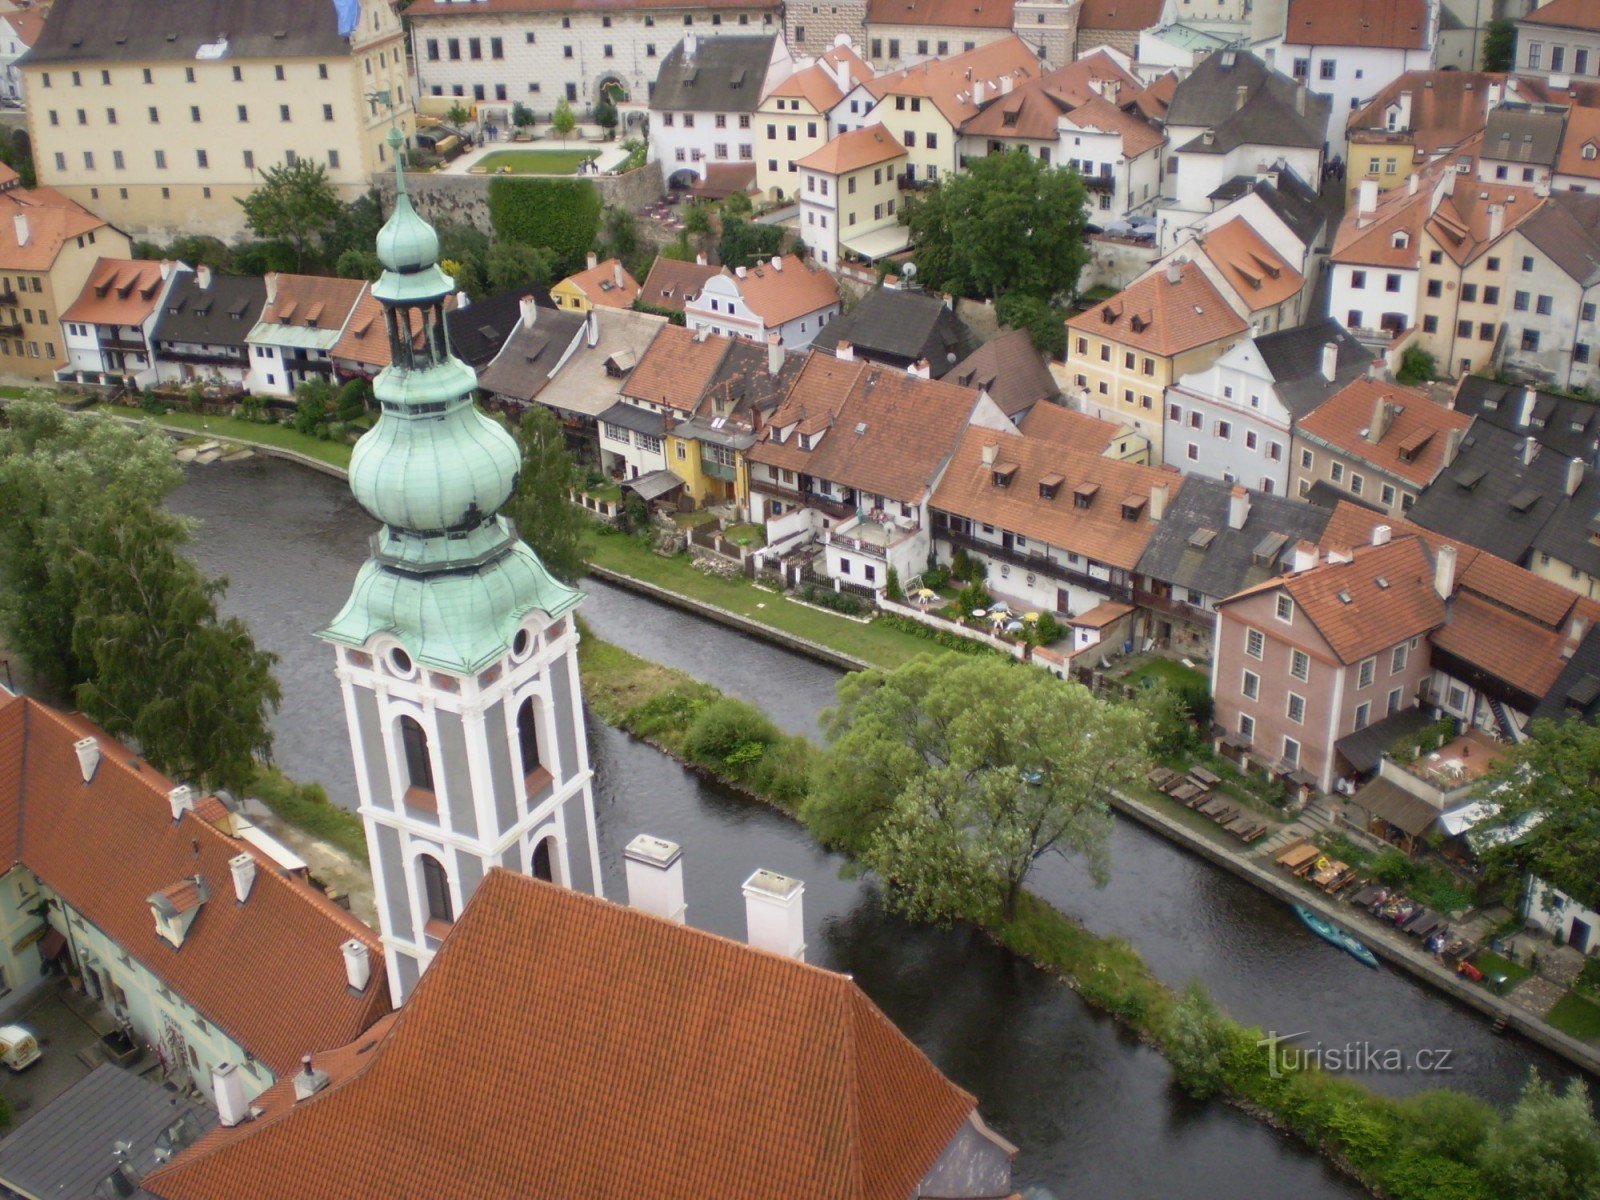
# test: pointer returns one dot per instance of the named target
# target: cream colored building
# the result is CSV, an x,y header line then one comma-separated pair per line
x,y
159,117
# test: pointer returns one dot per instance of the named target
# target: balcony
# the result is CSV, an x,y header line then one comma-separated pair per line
x,y
1038,563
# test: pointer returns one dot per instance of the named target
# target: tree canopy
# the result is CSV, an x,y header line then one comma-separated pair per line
x,y
295,204
548,521
952,776
1554,775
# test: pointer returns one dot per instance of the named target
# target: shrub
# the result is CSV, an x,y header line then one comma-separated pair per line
x,y
560,214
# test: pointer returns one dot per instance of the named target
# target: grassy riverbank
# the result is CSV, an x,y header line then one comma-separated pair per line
x,y
1434,1146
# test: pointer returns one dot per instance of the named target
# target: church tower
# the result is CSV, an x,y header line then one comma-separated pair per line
x,y
457,650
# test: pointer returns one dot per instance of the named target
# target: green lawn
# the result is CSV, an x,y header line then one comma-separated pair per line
x,y
1577,1017
234,429
875,643
1492,964
534,162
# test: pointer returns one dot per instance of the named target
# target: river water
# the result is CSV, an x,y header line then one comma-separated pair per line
x,y
1093,1113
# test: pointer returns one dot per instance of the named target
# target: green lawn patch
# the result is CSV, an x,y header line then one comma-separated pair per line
x,y
1494,965
1576,1017
234,429
307,808
534,162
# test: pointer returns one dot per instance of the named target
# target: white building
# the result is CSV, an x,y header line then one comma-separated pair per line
x,y
786,296
702,112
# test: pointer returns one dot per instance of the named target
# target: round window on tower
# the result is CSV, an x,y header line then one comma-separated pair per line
x,y
521,644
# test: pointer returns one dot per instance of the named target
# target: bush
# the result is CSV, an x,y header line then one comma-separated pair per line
x,y
560,214
841,602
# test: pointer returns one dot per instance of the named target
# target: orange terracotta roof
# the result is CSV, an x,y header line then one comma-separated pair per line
x,y
864,147
268,973
686,1066
311,301
779,294
1162,317
1127,15
963,14
677,368
948,81
365,339
1413,445
52,219
818,84
1569,14
1580,144
119,291
1259,274
599,285
1383,24
1102,531
670,282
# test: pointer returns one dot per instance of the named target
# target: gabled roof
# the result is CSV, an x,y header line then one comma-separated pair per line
x,y
687,1066
960,14
818,84
119,291
82,31
1413,445
268,973
670,282
1013,373
725,74
1370,24
782,292
1260,276
864,147
1293,356
1130,16
599,282
899,327
1162,315
479,330
532,353
220,315
677,368
1043,498
948,82
1568,14
1277,111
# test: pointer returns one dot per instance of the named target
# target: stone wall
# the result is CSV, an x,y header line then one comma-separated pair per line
x,y
465,198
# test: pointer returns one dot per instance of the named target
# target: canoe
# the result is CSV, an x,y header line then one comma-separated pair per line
x,y
1332,934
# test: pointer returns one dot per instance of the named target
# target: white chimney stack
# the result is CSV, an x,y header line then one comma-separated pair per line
x,y
775,354
1366,196
592,260
227,1085
1330,361
991,451
182,800
1381,535
1444,572
1574,475
243,869
774,913
1158,501
88,751
357,966
202,277
655,877
530,311
20,220
1238,508
845,352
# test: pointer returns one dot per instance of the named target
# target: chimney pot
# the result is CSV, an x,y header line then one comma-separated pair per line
x,y
1238,508
530,311
88,751
357,964
654,869
1444,572
774,913
243,869
181,798
227,1085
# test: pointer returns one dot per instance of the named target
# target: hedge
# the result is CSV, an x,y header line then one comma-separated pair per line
x,y
561,214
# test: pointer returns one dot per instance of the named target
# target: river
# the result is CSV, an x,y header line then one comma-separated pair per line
x,y
1093,1113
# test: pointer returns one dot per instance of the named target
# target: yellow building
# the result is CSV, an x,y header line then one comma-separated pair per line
x,y
1123,352
600,285
792,121
850,196
160,116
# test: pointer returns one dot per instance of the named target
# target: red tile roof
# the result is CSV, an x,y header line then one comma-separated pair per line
x,y
1413,445
683,1066
1163,317
268,973
1381,24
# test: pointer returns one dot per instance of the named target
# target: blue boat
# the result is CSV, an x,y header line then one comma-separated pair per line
x,y
1331,933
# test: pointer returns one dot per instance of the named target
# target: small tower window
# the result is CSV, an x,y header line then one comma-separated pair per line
x,y
528,737
436,891
419,766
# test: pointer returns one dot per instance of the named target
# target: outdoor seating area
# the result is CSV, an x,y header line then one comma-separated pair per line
x,y
1196,789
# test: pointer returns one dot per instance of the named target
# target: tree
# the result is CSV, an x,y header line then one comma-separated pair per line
x,y
563,121
294,203
1547,1148
521,115
1499,44
1553,777
545,516
1010,223
952,776
605,115
511,265
1044,321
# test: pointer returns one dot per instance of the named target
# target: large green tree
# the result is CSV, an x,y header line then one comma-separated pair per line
x,y
1553,777
544,515
1009,224
295,204
952,776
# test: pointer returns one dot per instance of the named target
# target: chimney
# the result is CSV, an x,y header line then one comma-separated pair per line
x,y
20,220
1238,508
1330,361
166,268
1382,414
1366,196
202,277
1530,450
181,798
1303,557
991,451
845,352
271,280
88,751
773,913
1174,273
243,869
1525,409
530,311
616,272
1241,96
920,369
227,1085
1497,220
1381,535
1158,501
775,354
1574,476
655,877
592,259
777,262
1444,572
1412,184
1452,447
357,965
308,1081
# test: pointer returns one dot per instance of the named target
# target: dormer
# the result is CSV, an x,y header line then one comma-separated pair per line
x,y
176,906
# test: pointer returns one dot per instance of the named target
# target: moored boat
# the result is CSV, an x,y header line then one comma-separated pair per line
x,y
1332,934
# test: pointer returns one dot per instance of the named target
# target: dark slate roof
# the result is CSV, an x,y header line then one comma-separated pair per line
x,y
896,327
726,74
1294,356
91,31
478,331
1234,559
1567,228
220,315
65,1149
1518,134
1567,426
1271,115
1011,370
1363,748
1488,498
631,416
1576,691
531,353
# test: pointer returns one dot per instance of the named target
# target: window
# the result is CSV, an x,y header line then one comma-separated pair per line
x,y
1295,710
1286,609
1251,685
528,737
419,765
1366,671
1255,643
1300,666
436,890
1363,715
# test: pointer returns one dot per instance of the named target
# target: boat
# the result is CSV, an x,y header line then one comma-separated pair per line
x,y
1331,933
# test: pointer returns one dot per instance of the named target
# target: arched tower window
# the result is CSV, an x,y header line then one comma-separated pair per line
x,y
435,890
542,862
419,765
528,737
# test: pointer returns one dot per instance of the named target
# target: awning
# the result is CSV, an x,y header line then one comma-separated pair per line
x,y
654,485
1363,748
1388,802
879,243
